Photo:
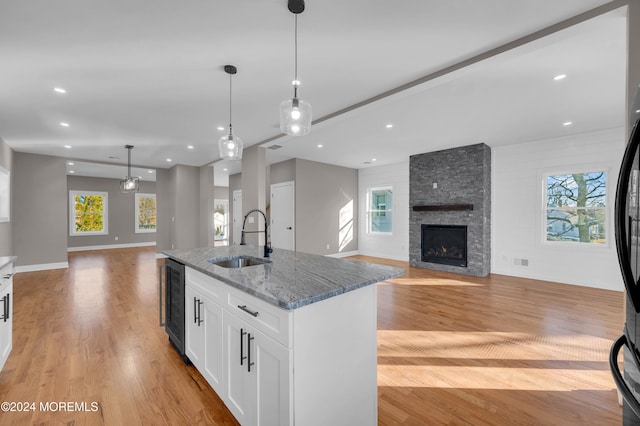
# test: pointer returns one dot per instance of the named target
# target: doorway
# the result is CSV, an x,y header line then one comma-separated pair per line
x,y
283,233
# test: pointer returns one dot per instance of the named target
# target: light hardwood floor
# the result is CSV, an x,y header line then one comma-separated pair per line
x,y
452,350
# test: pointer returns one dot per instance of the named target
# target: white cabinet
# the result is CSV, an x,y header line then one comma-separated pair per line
x,y
258,374
203,341
315,365
6,313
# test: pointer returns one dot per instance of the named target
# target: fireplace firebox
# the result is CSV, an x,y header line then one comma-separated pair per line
x,y
445,244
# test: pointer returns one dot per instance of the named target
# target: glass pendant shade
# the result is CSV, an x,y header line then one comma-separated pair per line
x,y
130,184
295,117
230,147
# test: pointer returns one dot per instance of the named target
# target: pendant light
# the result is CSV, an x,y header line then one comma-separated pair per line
x,y
230,146
295,113
130,183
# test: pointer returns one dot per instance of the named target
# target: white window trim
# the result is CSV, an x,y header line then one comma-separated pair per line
x,y
368,210
139,195
542,200
72,215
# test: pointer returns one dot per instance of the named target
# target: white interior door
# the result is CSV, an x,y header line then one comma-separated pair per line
x,y
237,216
283,232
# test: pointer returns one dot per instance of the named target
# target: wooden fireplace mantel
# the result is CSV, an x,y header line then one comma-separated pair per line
x,y
442,207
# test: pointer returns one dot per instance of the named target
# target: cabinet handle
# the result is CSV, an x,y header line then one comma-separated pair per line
x,y
200,302
160,268
5,308
249,363
8,302
195,313
247,310
6,277
242,357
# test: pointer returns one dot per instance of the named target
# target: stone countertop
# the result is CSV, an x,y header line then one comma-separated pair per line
x,y
5,260
292,279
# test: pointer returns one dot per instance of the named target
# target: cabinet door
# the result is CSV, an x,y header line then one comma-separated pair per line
x,y
194,340
211,316
274,376
6,323
259,375
239,384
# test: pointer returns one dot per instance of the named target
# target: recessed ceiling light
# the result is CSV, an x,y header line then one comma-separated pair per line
x,y
388,126
226,170
63,124
68,146
71,171
373,159
567,123
169,160
59,90
71,163
220,128
319,145
638,111
190,146
560,77
149,171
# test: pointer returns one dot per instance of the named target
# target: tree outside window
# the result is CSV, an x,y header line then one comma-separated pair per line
x,y
88,213
145,212
380,213
576,207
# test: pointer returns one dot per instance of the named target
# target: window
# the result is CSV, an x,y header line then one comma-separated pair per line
x,y
576,207
379,210
88,213
145,213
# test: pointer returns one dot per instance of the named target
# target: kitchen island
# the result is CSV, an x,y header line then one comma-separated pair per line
x,y
289,340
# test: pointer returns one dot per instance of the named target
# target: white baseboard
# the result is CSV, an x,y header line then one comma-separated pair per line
x,y
41,267
111,246
344,254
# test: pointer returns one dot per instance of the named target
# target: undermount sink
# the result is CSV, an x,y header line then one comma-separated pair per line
x,y
238,261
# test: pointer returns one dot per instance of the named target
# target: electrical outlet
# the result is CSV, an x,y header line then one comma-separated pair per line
x,y
116,238
328,247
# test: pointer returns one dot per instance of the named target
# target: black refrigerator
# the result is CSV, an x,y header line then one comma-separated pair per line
x,y
627,235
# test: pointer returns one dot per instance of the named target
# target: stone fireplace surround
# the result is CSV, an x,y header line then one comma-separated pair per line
x,y
452,187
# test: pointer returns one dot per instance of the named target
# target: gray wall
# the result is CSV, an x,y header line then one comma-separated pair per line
x,y
39,233
6,228
206,207
164,205
463,176
254,180
185,186
321,192
284,171
122,212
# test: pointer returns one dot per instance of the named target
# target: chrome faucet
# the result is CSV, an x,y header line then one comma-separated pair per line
x,y
267,246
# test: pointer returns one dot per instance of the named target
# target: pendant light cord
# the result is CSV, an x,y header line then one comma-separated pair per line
x,y
230,119
295,43
129,164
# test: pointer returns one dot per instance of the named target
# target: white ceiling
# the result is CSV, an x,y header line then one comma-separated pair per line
x,y
150,74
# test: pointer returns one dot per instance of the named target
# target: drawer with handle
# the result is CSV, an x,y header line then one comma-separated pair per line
x,y
271,320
